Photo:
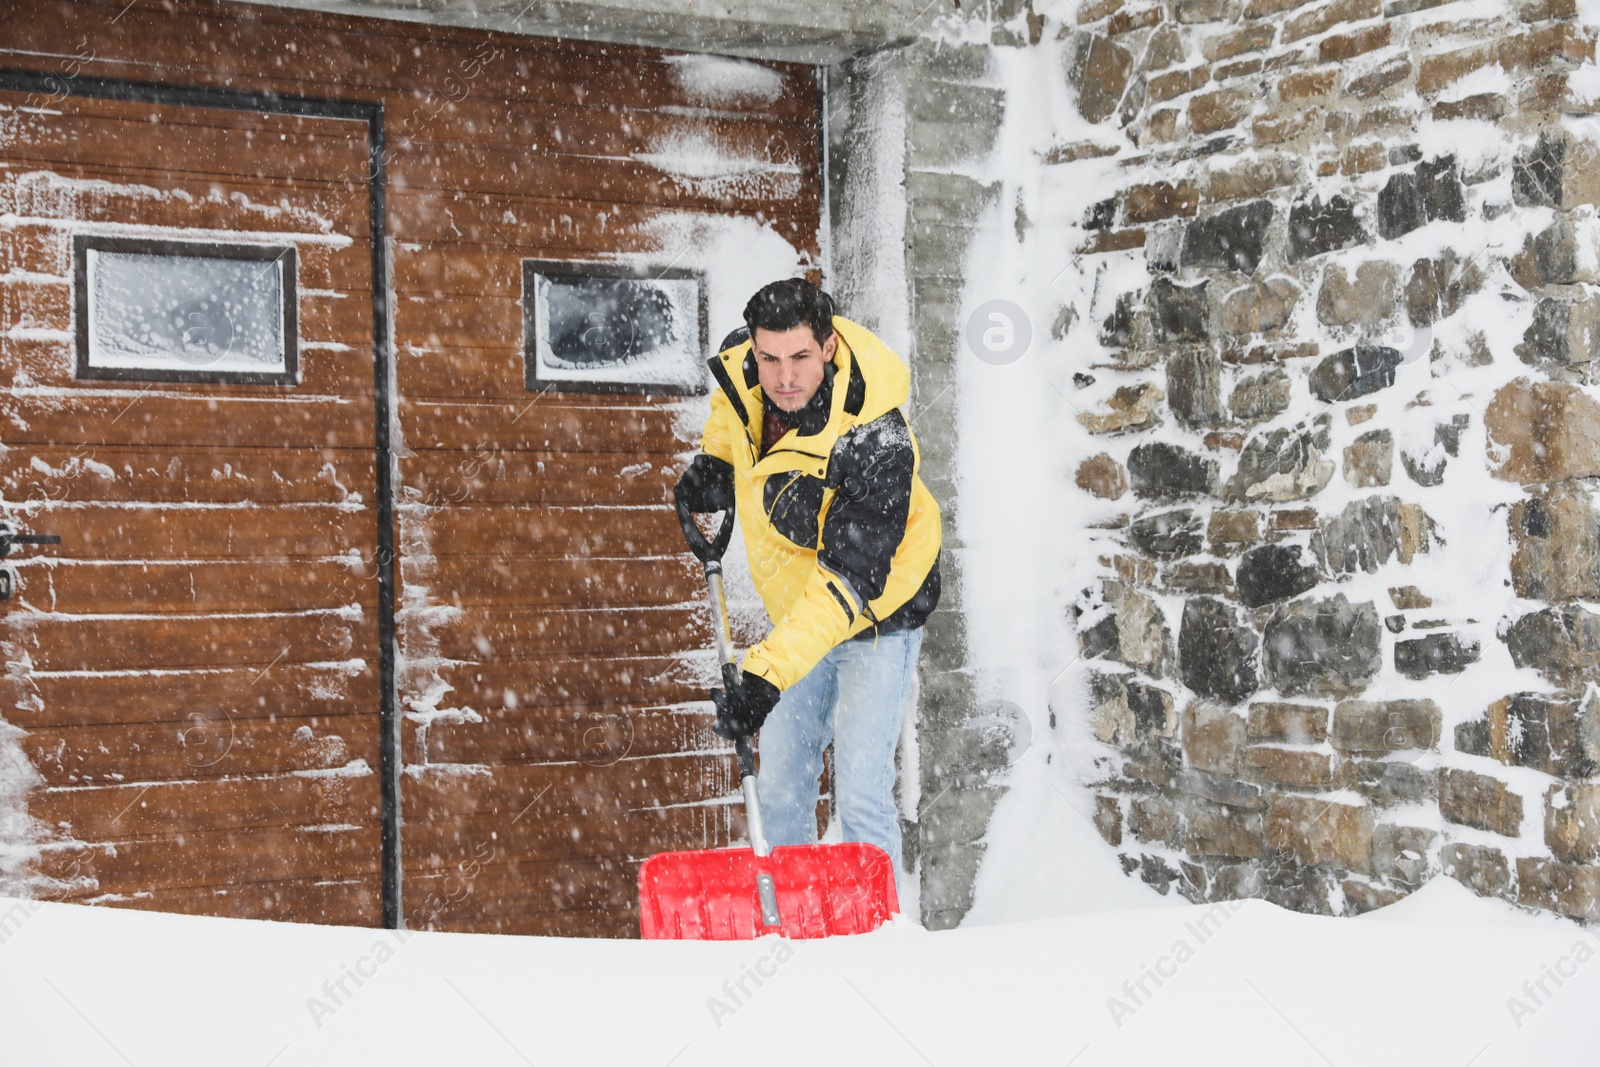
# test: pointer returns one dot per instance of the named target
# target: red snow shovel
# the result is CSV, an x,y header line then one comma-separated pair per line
x,y
733,894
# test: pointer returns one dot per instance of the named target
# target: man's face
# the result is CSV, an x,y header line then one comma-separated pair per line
x,y
791,364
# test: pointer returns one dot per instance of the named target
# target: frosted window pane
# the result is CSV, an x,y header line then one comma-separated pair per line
x,y
185,313
636,332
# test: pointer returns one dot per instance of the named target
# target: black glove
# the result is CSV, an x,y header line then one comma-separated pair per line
x,y
744,707
706,486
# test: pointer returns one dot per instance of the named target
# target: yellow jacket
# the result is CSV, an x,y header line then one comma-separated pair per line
x,y
841,533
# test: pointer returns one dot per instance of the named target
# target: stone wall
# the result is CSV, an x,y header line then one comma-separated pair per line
x,y
1339,375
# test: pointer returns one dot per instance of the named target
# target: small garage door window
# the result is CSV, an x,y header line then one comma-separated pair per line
x,y
171,311
600,327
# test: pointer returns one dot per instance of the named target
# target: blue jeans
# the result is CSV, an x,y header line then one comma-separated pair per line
x,y
856,698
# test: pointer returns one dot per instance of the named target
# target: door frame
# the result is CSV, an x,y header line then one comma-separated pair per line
x,y
370,112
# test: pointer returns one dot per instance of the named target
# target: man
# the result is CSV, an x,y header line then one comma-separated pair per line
x,y
807,444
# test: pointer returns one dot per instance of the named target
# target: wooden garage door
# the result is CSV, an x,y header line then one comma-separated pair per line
x,y
195,664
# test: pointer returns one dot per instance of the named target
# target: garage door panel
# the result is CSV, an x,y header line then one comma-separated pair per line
x,y
190,531
45,698
519,633
596,734
145,809
473,477
207,744
163,415
123,474
182,588
168,642
561,682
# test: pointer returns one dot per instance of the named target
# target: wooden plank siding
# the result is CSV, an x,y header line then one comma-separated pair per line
x,y
549,624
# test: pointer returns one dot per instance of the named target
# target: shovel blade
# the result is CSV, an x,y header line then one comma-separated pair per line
x,y
715,894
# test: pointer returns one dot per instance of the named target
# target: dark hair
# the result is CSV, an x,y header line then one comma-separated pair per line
x,y
789,303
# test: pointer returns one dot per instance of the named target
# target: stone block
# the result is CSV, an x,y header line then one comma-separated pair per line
x,y
1387,783
1321,19
1321,833
1437,288
1259,307
1126,21
1249,39
1409,598
1281,129
1401,853
1369,459
1296,724
1131,408
1288,767
1307,85
1377,728
1478,867
1283,464
1159,200
1175,83
1253,177
1261,397
1108,820
1345,46
1476,800
1155,820
1565,331
1363,897
1433,191
1564,888
1561,643
1158,471
1368,301
1100,73
1561,254
1316,227
1328,646
1168,534
1194,383
1133,631
1435,654
1391,72
1354,372
1269,573
1217,654
1216,111
1370,532
1234,794
1102,476
1213,736
1438,71
1178,313
1559,170
1128,712
1481,107
1167,47
1572,821
1558,734
1217,831
1228,529
1543,432
1231,239
1211,579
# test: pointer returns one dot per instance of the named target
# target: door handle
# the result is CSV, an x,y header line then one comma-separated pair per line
x,y
9,537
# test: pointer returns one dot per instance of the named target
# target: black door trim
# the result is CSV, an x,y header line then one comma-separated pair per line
x,y
371,112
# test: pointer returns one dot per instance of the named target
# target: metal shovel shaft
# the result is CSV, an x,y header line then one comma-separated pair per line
x,y
723,635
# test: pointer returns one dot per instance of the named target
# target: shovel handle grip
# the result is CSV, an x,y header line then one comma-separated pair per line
x,y
706,550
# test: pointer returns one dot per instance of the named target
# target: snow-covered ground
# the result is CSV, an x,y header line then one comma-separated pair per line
x,y
1442,978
